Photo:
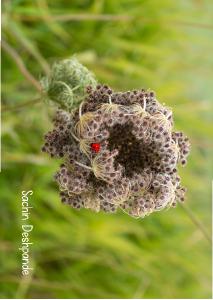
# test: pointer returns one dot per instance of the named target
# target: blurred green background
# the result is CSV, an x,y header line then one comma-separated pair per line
x,y
163,45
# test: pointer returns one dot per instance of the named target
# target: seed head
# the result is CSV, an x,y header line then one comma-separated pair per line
x,y
119,150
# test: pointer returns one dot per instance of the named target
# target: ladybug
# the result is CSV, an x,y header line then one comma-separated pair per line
x,y
95,147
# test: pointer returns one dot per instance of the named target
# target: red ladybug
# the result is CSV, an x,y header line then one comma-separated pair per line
x,y
95,147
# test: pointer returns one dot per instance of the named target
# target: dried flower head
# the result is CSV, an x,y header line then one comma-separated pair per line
x,y
119,149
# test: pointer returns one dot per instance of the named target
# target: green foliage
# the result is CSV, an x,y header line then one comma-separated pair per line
x,y
163,45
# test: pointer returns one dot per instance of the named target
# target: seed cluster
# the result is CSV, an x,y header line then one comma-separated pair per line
x,y
119,151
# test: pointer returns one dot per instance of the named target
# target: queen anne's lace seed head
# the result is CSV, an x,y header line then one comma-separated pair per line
x,y
134,164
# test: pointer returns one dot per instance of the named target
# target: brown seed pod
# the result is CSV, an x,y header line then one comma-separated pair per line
x,y
119,151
